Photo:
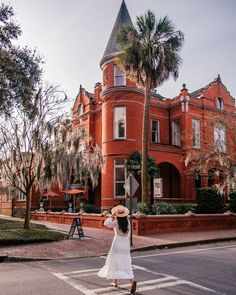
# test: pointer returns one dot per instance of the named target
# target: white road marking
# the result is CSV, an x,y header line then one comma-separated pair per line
x,y
81,271
89,272
78,287
172,284
128,285
201,287
185,251
84,275
164,282
164,285
134,266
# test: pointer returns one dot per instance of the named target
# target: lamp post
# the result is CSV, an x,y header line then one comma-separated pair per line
x,y
130,186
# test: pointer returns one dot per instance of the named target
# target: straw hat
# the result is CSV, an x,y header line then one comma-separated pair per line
x,y
120,211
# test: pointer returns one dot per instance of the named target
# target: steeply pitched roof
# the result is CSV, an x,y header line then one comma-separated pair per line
x,y
199,92
157,95
123,18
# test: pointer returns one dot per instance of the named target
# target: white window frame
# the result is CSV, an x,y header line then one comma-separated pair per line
x,y
21,197
196,138
119,118
119,181
220,137
220,103
80,109
155,132
119,76
9,196
176,133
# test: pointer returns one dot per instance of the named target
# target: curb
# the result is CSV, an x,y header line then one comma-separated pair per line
x,y
28,259
181,244
6,258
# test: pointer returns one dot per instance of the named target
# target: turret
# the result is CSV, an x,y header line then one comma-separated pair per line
x,y
112,74
112,48
122,113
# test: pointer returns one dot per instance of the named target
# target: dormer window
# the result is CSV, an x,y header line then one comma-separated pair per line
x,y
119,76
220,103
80,109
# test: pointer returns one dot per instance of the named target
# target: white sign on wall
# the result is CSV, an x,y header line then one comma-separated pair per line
x,y
158,187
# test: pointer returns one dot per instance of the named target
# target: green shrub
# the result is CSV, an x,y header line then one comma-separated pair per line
x,y
90,208
209,201
145,208
183,208
163,208
232,201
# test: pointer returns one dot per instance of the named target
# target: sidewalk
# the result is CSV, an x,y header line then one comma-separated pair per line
x,y
97,242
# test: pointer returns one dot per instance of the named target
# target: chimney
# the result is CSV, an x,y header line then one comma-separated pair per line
x,y
97,91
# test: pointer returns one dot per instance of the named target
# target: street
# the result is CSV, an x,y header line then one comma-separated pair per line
x,y
208,269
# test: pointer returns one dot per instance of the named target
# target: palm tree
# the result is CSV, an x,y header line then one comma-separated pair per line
x,y
149,55
134,164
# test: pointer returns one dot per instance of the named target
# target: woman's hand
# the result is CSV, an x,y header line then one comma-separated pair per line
x,y
113,214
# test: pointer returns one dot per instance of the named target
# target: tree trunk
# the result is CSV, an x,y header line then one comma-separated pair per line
x,y
27,211
147,99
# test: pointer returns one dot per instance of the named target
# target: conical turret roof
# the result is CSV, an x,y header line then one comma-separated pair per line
x,y
112,48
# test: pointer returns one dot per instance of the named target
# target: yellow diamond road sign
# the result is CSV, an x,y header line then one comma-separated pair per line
x,y
131,185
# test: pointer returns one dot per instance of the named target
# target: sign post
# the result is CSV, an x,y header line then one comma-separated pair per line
x,y
131,185
76,224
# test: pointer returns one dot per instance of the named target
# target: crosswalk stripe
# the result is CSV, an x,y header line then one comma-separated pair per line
x,y
78,287
84,275
128,285
166,285
164,282
81,271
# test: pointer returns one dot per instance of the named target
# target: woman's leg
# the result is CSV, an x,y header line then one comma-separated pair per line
x,y
133,286
114,283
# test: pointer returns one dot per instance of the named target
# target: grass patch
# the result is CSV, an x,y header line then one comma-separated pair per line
x,y
13,233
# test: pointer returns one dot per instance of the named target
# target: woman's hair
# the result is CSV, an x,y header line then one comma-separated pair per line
x,y
123,224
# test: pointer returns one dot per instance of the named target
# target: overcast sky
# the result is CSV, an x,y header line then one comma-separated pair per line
x,y
72,35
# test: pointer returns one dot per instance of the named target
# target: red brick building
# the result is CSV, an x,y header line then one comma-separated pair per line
x,y
113,114
187,125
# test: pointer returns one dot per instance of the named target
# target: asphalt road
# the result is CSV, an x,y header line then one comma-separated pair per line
x,y
209,269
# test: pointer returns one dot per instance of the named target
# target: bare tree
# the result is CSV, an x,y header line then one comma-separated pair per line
x,y
39,145
26,142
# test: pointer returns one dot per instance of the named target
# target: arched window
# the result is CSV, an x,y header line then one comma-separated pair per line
x,y
220,103
80,109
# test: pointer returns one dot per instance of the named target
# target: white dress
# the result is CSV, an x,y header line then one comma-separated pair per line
x,y
118,262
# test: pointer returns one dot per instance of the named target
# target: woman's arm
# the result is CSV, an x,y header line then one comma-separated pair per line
x,y
109,222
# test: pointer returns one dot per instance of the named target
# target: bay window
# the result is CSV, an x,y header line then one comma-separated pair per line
x,y
120,122
119,178
196,133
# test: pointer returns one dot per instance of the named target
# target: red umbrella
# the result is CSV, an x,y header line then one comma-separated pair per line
x,y
50,195
73,192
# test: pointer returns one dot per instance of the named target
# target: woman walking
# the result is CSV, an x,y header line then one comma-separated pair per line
x,y
118,262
